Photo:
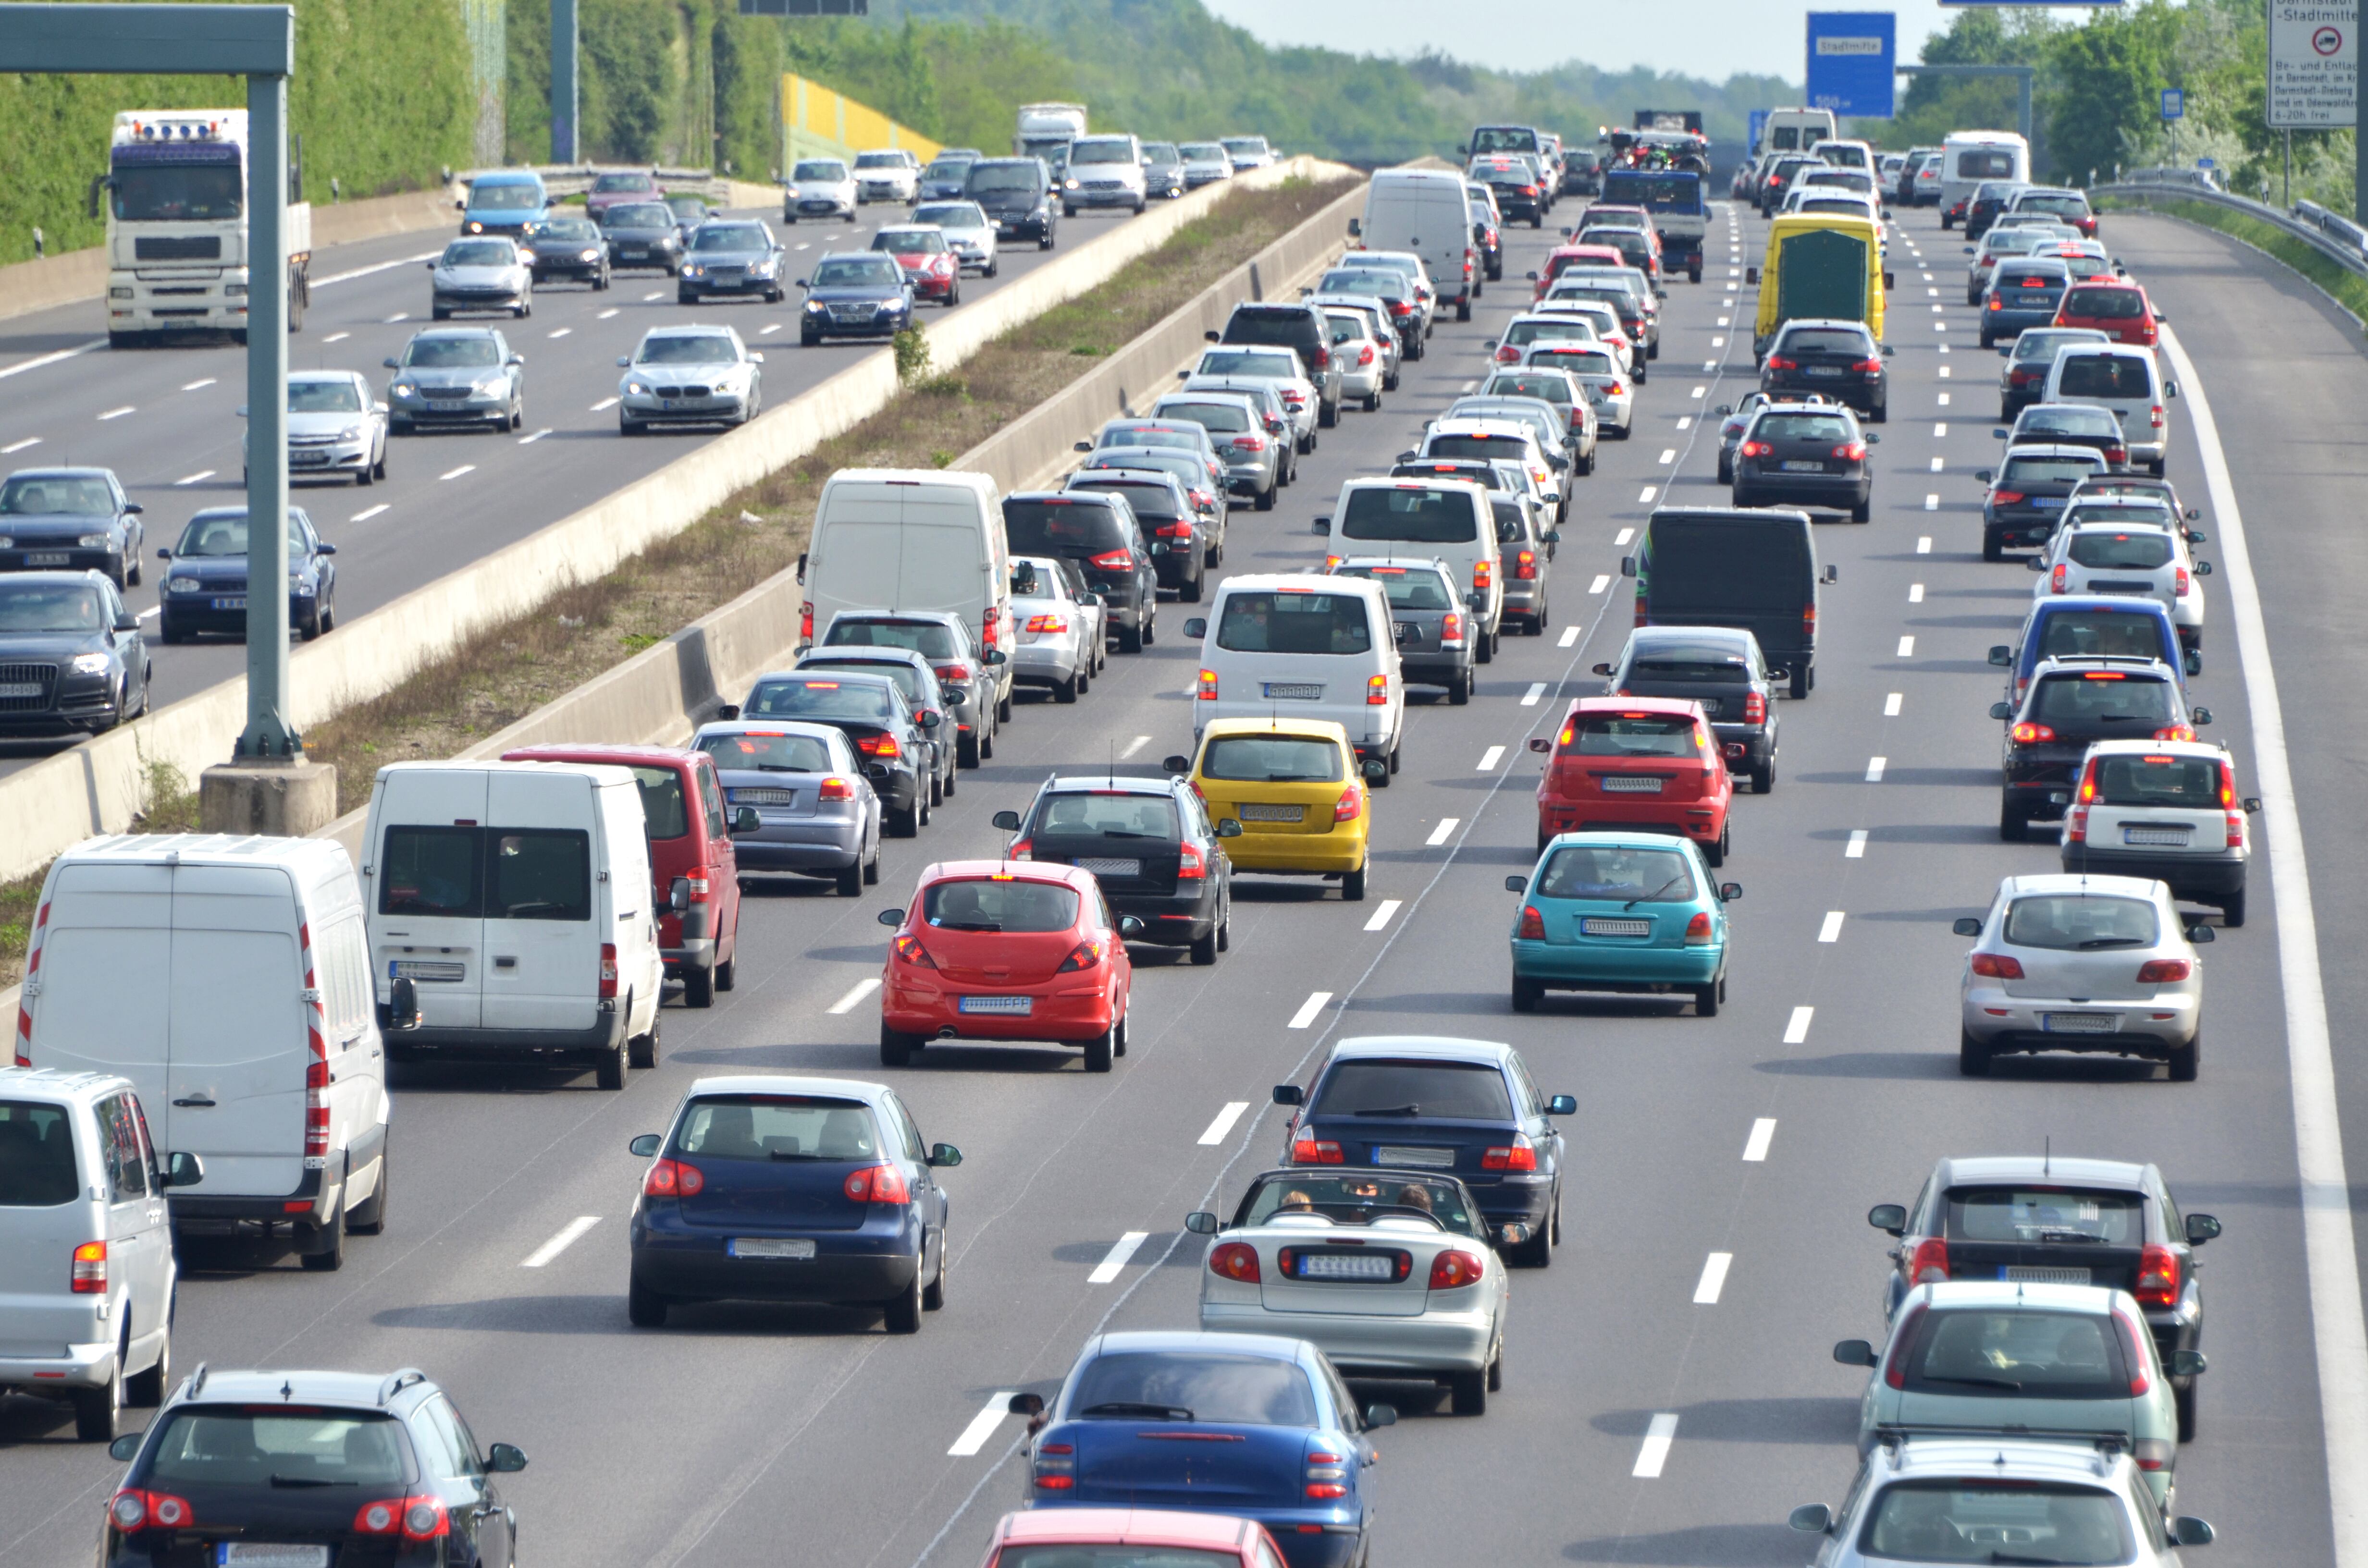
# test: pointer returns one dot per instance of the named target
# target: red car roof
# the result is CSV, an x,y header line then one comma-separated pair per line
x,y
1129,1526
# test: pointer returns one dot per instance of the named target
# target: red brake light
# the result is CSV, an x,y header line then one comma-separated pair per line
x,y
1533,924
878,1183
1778,362
1997,966
1377,688
1190,863
1451,629
2055,579
1852,451
1525,565
877,745
1114,560
1314,1151
1452,1270
2007,497
1045,623
1250,441
2158,1277
2117,454
90,1270
805,624
908,949
2134,1344
671,1178
835,790
1364,355
1207,686
1930,1263
1867,367
1521,1155
1350,805
1698,929
1755,449
1755,709
1894,1370
2163,971
133,1510
2183,583
1086,955
1237,1261
609,971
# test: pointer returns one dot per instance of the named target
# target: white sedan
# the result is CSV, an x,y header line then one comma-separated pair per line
x,y
1388,1272
970,233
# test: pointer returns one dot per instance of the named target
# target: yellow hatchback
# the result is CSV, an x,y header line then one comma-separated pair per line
x,y
1294,793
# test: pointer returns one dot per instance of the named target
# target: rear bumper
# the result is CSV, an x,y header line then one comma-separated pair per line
x,y
1061,1020
1807,489
1171,920
1319,853
1703,823
1044,663
1437,669
72,1365
1611,965
848,1265
2199,877
204,1214
509,1045
2015,1023
821,846
1371,1345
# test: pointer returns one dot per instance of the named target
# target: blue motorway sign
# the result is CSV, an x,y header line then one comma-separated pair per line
x,y
1758,123
2174,103
1850,59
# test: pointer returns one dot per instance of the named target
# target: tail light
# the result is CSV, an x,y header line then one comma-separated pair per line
x,y
1237,1261
1324,355
1191,864
1086,955
1293,398
2117,454
1207,686
607,971
1481,574
1508,354
1617,389
1377,691
1930,1262
1525,566
2228,806
1182,528
2164,972
1314,1151
835,790
908,949
2236,830
1451,630
1520,1155
805,624
2158,1268
877,745
133,1510
1852,451
1808,617
2183,583
1364,355
1698,929
2007,497
1250,441
25,1014
421,1517
991,630
1867,367
1997,966
1997,304
1533,924
673,1178
1056,1465
1755,709
1326,1472
1114,560
2058,578
90,1270
1452,1270
2150,1453
1349,806
1042,623
877,1184
1024,848
2075,824
1778,362
1754,449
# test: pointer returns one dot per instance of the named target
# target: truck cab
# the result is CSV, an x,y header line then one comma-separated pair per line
x,y
177,189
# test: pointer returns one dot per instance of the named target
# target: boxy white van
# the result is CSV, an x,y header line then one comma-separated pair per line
x,y
1970,157
228,978
912,538
1304,647
516,899
2124,378
1442,519
1422,210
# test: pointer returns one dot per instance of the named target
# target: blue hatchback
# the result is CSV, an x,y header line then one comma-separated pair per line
x,y
1248,1424
205,577
1630,912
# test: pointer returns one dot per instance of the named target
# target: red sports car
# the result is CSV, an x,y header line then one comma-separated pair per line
x,y
1631,762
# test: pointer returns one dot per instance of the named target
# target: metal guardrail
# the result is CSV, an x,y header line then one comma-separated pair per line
x,y
2336,237
574,179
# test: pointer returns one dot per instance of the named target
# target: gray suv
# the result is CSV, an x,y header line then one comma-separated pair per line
x,y
1434,628
1721,668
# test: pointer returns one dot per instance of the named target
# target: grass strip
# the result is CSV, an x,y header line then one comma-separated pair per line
x,y
2348,287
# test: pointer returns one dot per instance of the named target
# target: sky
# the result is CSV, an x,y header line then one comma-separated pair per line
x,y
1714,38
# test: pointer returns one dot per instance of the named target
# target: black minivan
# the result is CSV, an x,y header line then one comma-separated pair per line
x,y
1097,531
1750,567
1017,194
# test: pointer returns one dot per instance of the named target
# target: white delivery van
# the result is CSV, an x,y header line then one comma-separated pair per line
x,y
907,540
228,979
1424,211
1311,647
515,897
1442,519
2124,378
1795,130
1969,157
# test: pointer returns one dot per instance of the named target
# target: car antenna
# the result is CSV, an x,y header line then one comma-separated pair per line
x,y
2047,1156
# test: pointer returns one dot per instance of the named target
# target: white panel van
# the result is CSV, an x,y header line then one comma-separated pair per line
x,y
228,978
912,539
2124,377
1443,520
515,897
1795,130
1422,210
1304,647
1969,157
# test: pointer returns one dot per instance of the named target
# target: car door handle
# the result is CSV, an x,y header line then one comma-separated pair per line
x,y
193,1101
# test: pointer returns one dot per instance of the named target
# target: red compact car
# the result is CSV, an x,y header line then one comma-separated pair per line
x,y
1006,949
1635,762
2117,308
1081,1536
1563,258
928,264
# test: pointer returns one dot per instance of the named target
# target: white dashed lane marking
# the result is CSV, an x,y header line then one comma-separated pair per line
x,y
1446,825
1763,1132
1658,1435
1856,849
1224,1123
1713,1278
1797,1031
1316,1003
855,996
982,1426
566,1238
1116,1259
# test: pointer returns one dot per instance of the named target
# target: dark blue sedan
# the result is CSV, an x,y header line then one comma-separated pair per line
x,y
775,1188
862,295
70,520
1248,1424
205,577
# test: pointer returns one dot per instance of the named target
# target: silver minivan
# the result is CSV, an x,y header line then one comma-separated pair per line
x,y
86,1268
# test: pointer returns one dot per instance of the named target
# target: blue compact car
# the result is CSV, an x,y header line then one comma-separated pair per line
x,y
1626,912
205,577
863,295
1248,1424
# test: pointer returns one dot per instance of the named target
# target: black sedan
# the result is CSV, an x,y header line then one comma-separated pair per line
x,y
70,657
2027,492
893,741
573,249
2072,703
73,519
205,578
1150,845
861,295
1839,358
643,234
1797,456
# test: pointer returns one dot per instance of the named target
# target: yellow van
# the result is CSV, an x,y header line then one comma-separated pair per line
x,y
1297,790
1826,264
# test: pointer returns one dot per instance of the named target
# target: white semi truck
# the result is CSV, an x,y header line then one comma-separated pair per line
x,y
1046,128
176,190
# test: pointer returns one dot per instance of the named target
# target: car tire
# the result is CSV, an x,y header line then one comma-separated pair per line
x,y
1468,1393
698,989
1002,715
1993,547
1763,777
1972,1056
609,1068
872,867
1327,415
1390,382
2183,1400
1130,638
1862,511
1527,994
1373,402
641,1050
2014,823
98,1412
901,1314
1707,997
440,314
1459,692
1190,592
933,1294
1715,854
328,1255
1725,470
2185,1061
398,426
1264,499
1204,948
727,973
148,1389
1537,1252
2232,910
895,1048
1352,885
1067,690
1100,1049
1802,681
644,1308
370,1218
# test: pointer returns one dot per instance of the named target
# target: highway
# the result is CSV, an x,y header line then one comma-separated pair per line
x,y
1640,1422
166,419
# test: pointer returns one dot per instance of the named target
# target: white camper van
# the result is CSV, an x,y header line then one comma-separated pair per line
x,y
1970,157
516,898
1424,211
228,979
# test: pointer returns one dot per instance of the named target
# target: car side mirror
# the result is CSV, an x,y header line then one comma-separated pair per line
x,y
1231,827
2252,803
1130,926
2036,563
507,1459
1374,770
928,719
1832,574
1729,891
679,895
2201,717
890,917
1184,375
1603,670
1356,227
2188,1364
745,819
2203,568
402,1005
1986,475
944,1156
623,361
1627,566
2197,536
1214,337
1324,521
1563,1104
430,266
2201,936
800,283
134,507
1813,1517
1751,274
1969,924
994,657
184,1170
392,364
646,1144
1854,1353
1891,1218
2202,1228
1289,1094
1517,882
126,1447
1008,822
2192,514
1026,1405
1381,1416
2189,1530
1195,627
2001,655
1531,275
1200,1222
127,622
2005,350
728,712
1725,410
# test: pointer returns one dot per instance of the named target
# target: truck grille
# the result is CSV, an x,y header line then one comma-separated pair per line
x,y
177,247
25,688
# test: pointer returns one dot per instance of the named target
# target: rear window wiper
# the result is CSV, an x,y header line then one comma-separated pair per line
x,y
970,924
1129,832
2095,942
278,1480
1390,1110
1137,1407
2007,1383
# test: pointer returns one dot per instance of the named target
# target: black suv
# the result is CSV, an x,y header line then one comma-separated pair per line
x,y
1839,358
2074,701
365,1470
1097,531
1169,524
1799,455
1017,194
1150,845
1721,668
1303,329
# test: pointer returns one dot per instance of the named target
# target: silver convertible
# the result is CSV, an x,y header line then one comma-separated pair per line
x,y
1388,1272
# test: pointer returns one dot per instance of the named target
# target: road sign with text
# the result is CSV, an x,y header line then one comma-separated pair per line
x,y
2313,63
1850,59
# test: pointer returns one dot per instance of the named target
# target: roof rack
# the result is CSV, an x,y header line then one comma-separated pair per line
x,y
397,1383
2101,658
1895,1435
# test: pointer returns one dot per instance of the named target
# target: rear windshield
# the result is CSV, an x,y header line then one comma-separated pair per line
x,y
820,169
1383,1089
1545,389
995,180
820,699
638,215
1247,362
1576,329
1801,428
930,639
2068,205
2074,923
1609,871
2152,516
1062,527
662,804
910,241
2188,783
432,871
538,874
1512,448
1825,340
1155,502
1022,1555
1967,1521
907,678
777,1127
2048,471
2012,1353
36,1155
2031,275
2072,632
2129,551
1283,327
1197,1386
266,1446
858,272
1258,621
1632,734
2103,304
1705,662
2103,375
1273,759
1718,565
1012,904
762,753
1985,163
1108,814
2043,1215
2110,702
1223,416
2067,420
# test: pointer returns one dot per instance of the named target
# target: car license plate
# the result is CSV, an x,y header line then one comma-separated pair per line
x,y
1002,1006
433,970
1294,690
1105,866
21,688
1631,784
1257,811
2035,1275
1423,1159
238,603
1613,926
307,460
47,558
269,1554
763,797
1803,465
2169,838
772,1246
1824,370
1339,1266
2080,1023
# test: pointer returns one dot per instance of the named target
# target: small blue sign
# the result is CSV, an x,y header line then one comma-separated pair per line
x,y
1850,60
2206,164
1758,124
2174,104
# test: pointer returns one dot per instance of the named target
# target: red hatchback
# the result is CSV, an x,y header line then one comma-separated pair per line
x,y
1635,762
1006,949
1563,258
1095,1538
2119,309
925,261
691,842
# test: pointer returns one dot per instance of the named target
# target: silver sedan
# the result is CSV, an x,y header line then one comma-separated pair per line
x,y
485,272
1060,636
814,810
970,233
336,427
689,375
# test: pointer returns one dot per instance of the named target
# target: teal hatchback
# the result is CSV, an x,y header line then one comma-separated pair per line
x,y
1626,912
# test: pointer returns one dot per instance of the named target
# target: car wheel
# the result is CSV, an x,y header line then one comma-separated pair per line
x,y
1100,1049
2013,822
148,1389
440,314
1993,547
1373,402
2183,1399
1117,1038
2185,1059
1972,1056
1352,885
2232,910
904,822
933,1294
99,1411
1708,997
1862,511
1264,500
1463,305
1067,691
1535,1253
1190,592
1204,948
1469,1393
895,1048
966,752
727,973
1486,652
1880,415
698,989
1327,415
1458,692
1801,681
1725,470
871,867
641,1050
1527,994
609,1069
644,1308
1715,854
370,1218
1763,777
902,1309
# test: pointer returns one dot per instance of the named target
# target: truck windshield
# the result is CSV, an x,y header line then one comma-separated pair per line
x,y
176,192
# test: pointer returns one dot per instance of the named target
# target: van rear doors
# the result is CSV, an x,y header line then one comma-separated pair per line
x,y
542,957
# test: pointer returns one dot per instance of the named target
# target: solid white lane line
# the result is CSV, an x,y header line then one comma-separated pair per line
x,y
1916,593
1924,541
1874,767
1646,498
1489,759
1224,1123
1135,745
1857,850
1797,1029
561,1241
119,412
604,315
375,266
1831,931
1316,1002
1529,697
1658,1435
2340,1336
1121,1250
200,384
1907,647
198,478
20,446
21,365
1439,834
1890,704
1713,1278
1382,916
455,474
605,405
1763,1132
855,996
982,1426
530,440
